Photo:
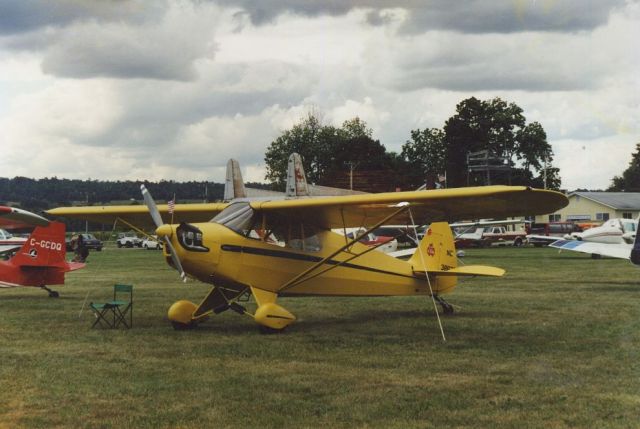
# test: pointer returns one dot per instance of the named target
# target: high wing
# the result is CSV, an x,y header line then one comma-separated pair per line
x,y
13,218
426,206
138,216
619,250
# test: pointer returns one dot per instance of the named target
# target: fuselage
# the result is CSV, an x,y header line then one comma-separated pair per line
x,y
223,256
613,231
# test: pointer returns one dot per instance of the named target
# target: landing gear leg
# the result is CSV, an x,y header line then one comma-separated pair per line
x,y
446,307
52,293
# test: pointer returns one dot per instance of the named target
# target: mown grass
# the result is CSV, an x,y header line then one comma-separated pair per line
x,y
553,344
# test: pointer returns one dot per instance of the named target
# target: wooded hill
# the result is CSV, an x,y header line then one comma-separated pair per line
x,y
42,194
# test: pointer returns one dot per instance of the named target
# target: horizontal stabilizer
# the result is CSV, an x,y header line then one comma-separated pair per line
x,y
468,270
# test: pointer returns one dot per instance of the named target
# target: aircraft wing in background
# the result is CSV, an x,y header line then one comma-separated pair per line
x,y
621,250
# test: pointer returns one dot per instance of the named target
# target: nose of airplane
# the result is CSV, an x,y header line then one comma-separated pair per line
x,y
164,230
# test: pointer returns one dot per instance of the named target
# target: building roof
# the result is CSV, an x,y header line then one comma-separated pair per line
x,y
615,200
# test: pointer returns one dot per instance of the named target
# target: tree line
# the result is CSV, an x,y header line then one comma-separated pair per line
x,y
42,194
515,152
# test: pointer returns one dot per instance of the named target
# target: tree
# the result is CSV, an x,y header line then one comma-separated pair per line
x,y
326,151
425,155
500,128
308,138
630,179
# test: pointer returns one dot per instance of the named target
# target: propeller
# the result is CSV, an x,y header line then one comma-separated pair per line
x,y
157,219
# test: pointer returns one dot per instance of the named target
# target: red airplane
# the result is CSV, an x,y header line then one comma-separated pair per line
x,y
41,260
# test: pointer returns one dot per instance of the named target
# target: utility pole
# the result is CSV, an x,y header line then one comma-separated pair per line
x,y
545,165
352,166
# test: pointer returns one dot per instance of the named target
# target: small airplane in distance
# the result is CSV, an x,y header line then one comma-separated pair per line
x,y
286,247
613,231
628,249
40,260
12,218
296,185
8,242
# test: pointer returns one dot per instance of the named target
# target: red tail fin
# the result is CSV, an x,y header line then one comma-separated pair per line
x,y
45,247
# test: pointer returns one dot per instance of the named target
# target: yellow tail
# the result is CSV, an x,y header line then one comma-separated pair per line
x,y
436,255
436,250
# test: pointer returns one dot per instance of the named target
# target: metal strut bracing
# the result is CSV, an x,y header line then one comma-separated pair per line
x,y
305,275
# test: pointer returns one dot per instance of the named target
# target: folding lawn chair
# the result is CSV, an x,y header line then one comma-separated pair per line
x,y
114,313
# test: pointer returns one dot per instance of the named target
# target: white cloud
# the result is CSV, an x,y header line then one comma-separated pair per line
x,y
167,49
592,164
174,91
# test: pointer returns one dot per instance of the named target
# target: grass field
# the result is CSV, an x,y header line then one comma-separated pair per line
x,y
555,343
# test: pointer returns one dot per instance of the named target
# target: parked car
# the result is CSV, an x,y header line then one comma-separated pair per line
x,y
151,243
542,234
491,236
128,239
89,240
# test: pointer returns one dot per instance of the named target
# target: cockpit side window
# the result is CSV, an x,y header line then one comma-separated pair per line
x,y
272,228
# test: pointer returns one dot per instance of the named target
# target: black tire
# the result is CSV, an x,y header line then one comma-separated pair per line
x,y
518,242
265,330
118,244
182,326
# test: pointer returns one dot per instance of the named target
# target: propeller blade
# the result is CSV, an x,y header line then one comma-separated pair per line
x,y
151,205
175,259
157,219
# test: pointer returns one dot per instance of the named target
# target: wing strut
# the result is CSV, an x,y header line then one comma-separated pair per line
x,y
301,277
435,307
130,225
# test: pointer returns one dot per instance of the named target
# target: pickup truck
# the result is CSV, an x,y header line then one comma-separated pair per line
x,y
491,235
128,239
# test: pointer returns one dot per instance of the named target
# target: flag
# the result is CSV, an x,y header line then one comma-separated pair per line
x,y
172,205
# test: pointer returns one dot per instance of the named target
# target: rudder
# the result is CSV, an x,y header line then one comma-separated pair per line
x,y
438,252
45,247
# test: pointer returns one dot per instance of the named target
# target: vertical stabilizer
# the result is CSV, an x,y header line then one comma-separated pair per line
x,y
437,254
233,185
45,247
296,179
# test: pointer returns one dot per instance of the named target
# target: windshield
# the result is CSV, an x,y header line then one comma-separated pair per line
x,y
274,229
237,216
629,226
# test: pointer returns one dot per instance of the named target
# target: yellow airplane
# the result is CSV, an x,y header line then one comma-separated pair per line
x,y
286,247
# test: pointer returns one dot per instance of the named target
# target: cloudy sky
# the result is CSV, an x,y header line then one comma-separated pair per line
x,y
133,89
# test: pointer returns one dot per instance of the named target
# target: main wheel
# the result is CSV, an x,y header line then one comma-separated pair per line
x,y
265,330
